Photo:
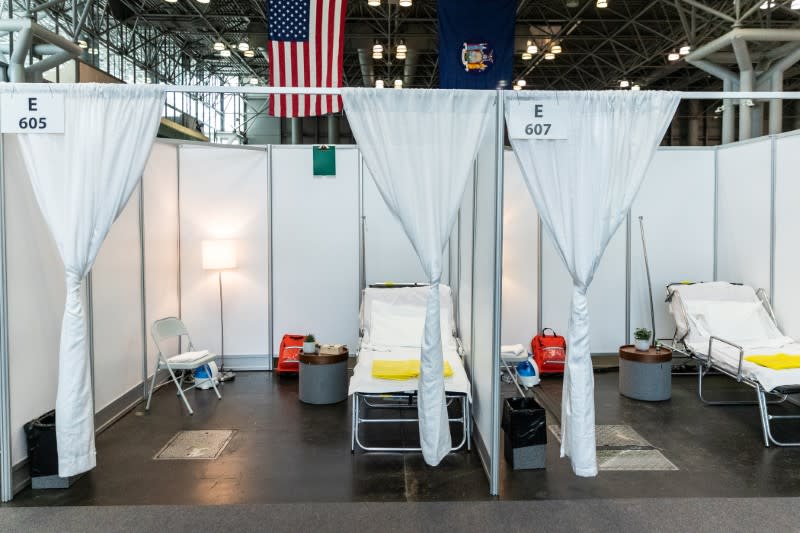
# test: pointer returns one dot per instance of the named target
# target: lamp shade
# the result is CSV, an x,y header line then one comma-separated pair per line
x,y
219,255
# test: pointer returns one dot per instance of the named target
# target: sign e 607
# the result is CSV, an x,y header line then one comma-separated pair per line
x,y
28,113
537,120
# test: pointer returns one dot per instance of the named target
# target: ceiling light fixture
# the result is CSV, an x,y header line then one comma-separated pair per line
x,y
673,56
219,46
555,48
406,3
225,53
377,47
402,48
377,55
636,87
400,55
398,84
379,84
527,56
374,3
170,1
249,53
532,48
549,56
253,81
684,50
83,44
203,1
624,84
243,46
602,3
522,83
517,88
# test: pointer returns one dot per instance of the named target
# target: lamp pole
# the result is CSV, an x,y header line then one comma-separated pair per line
x,y
223,374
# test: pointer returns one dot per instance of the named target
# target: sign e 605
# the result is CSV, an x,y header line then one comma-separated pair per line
x,y
28,113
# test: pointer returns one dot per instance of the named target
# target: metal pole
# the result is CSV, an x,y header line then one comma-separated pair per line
x,y
649,285
270,268
142,288
6,489
494,483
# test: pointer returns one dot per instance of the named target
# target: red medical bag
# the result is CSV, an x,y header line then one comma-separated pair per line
x,y
289,355
549,352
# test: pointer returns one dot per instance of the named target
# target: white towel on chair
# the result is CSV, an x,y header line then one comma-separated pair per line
x,y
513,352
188,357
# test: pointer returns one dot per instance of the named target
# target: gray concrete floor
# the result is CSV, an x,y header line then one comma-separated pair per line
x,y
285,451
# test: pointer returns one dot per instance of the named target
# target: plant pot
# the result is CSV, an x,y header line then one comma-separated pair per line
x,y
642,345
309,347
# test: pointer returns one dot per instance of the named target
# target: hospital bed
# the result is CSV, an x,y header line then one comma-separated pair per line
x,y
392,321
720,324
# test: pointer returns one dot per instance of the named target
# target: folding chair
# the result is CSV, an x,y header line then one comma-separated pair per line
x,y
168,328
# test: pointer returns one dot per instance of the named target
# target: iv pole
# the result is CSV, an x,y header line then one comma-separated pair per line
x,y
649,285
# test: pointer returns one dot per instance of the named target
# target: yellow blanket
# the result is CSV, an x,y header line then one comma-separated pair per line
x,y
401,369
779,361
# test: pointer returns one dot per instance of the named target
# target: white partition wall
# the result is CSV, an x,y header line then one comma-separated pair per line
x,y
224,194
36,297
161,242
520,257
744,185
117,309
465,228
388,254
787,232
606,294
677,203
315,247
484,370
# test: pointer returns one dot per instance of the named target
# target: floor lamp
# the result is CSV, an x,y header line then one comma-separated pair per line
x,y
220,255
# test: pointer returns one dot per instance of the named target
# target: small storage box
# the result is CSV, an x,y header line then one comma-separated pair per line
x,y
525,427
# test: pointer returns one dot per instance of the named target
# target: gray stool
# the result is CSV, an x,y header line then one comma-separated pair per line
x,y
645,375
323,378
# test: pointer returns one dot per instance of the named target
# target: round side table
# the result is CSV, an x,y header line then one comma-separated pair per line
x,y
645,375
323,378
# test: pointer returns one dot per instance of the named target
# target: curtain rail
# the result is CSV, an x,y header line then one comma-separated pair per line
x,y
685,95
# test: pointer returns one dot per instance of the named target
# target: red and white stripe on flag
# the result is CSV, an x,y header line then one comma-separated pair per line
x,y
313,63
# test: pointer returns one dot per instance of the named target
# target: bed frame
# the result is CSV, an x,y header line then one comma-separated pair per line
x,y
707,365
403,400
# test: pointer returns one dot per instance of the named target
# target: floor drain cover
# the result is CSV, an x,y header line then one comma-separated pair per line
x,y
203,444
621,448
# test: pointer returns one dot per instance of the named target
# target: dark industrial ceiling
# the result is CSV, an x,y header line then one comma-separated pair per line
x,y
629,40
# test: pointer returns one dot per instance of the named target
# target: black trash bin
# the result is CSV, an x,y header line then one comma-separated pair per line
x,y
43,453
525,426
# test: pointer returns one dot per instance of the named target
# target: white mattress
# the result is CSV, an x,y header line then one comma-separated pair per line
x,y
363,381
762,338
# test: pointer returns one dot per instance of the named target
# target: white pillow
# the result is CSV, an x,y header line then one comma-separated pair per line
x,y
729,320
402,325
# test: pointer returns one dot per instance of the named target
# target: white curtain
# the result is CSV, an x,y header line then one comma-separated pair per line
x,y
420,146
82,180
583,187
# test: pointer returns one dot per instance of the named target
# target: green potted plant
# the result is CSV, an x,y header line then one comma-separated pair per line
x,y
642,337
309,344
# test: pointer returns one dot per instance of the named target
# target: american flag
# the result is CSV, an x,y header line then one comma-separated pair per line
x,y
305,50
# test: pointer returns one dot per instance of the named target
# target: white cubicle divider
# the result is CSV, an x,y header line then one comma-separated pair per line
x,y
606,294
520,257
117,309
388,254
315,246
676,201
161,242
786,292
484,371
744,204
464,246
224,195
36,297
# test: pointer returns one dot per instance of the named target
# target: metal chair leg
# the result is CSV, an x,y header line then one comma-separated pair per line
x,y
180,390
152,388
214,384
